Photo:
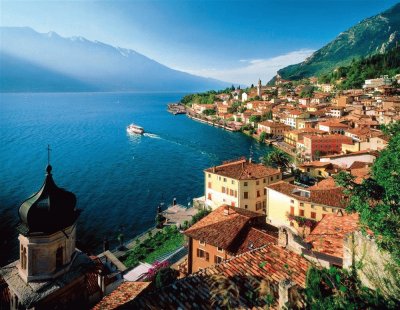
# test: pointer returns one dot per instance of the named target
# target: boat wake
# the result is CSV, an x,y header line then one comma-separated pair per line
x,y
151,135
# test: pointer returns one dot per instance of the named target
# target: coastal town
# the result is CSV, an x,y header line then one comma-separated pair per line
x,y
281,191
260,227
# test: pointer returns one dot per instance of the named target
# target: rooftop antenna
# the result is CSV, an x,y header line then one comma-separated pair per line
x,y
48,154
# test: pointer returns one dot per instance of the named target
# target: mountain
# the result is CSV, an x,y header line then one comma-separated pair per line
x,y
32,61
373,35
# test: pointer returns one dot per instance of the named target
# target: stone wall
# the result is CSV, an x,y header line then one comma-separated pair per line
x,y
375,268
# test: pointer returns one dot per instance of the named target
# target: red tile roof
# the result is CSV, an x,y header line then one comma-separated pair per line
x,y
327,237
246,271
243,170
232,231
332,197
121,295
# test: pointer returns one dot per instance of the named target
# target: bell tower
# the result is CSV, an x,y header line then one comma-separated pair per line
x,y
47,232
259,88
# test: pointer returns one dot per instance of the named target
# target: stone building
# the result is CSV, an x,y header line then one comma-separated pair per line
x,y
50,272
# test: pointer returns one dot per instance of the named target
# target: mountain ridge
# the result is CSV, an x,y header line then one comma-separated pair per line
x,y
371,35
94,65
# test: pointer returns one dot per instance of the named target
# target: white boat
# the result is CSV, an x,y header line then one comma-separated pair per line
x,y
134,129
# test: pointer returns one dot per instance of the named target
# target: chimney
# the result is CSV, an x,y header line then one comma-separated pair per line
x,y
226,210
213,170
174,202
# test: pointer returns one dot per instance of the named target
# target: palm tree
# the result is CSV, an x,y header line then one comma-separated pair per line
x,y
277,159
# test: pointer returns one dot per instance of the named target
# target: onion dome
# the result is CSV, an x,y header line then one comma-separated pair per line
x,y
50,210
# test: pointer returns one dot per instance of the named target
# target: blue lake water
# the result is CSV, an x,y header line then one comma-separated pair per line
x,y
118,179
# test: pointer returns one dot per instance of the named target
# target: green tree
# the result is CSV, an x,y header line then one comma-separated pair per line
x,y
341,289
277,159
209,112
262,137
255,118
166,276
377,199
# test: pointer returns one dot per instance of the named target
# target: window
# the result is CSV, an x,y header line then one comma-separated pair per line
x,y
291,210
301,212
258,206
265,191
271,178
258,194
246,206
301,204
202,243
209,184
319,172
324,208
313,215
291,201
59,258
277,177
257,182
203,254
264,181
219,178
23,257
224,179
220,249
235,194
245,183
312,207
209,197
223,189
233,182
209,175
245,195
231,192
218,259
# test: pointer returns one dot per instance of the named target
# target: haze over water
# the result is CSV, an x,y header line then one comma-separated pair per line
x,y
118,179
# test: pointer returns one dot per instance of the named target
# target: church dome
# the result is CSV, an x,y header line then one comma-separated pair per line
x,y
49,210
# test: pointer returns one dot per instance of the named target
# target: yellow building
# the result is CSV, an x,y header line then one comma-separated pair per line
x,y
286,203
294,136
318,169
239,183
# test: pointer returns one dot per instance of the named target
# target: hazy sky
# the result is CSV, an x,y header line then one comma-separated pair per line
x,y
236,41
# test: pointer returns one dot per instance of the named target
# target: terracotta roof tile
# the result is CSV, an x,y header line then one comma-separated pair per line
x,y
332,197
121,295
243,170
245,271
327,237
234,231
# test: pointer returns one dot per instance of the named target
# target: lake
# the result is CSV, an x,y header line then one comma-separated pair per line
x,y
118,179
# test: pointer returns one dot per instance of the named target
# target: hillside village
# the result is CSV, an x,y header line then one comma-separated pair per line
x,y
264,234
308,120
311,225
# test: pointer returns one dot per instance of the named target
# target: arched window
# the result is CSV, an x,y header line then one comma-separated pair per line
x,y
23,257
59,257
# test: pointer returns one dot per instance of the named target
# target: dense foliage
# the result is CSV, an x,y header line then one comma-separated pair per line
x,y
334,288
163,242
377,199
277,159
166,276
367,68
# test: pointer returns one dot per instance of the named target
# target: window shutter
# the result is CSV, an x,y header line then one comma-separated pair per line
x,y
198,253
207,256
